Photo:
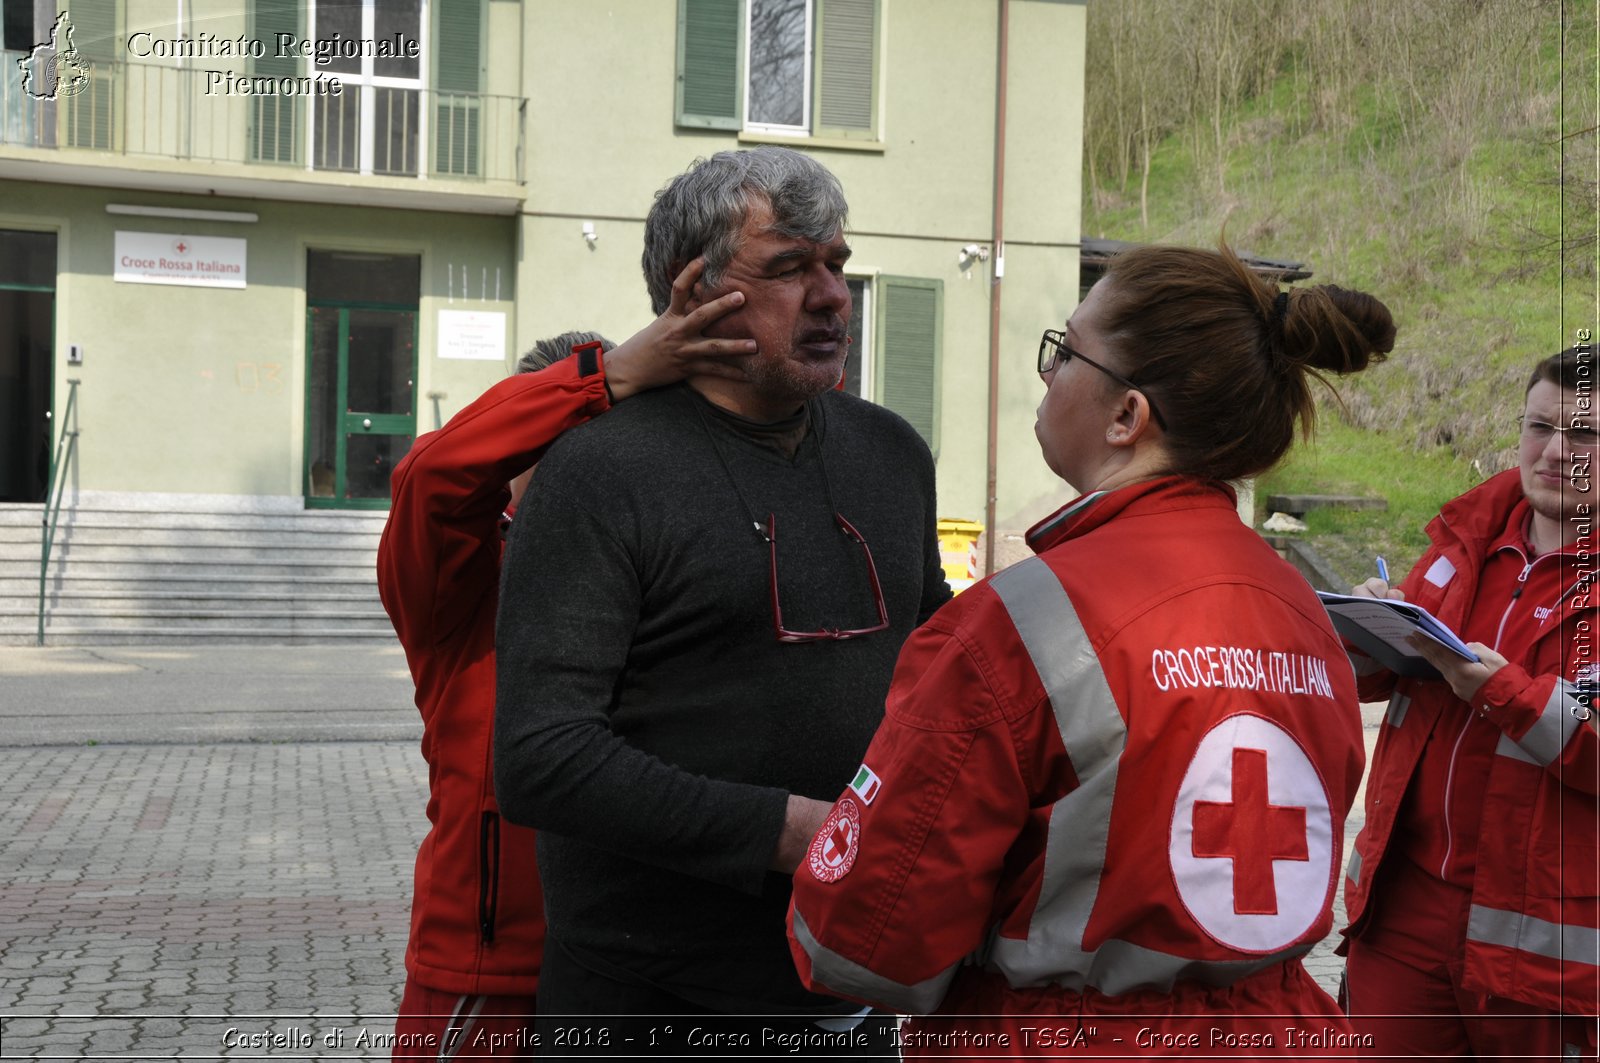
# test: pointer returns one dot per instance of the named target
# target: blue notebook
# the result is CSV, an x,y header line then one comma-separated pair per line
x,y
1378,627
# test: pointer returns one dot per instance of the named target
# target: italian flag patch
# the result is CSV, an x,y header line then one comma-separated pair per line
x,y
866,784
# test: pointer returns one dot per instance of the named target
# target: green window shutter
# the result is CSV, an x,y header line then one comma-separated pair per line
x,y
94,29
268,18
275,120
846,72
90,115
910,338
457,136
458,79
710,90
458,56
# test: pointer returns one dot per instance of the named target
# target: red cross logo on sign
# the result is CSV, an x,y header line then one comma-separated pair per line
x,y
1251,842
1252,832
181,247
833,850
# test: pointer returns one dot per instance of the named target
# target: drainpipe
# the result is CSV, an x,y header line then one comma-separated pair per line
x,y
998,273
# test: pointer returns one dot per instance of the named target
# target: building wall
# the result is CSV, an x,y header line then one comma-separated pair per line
x,y
203,391
917,195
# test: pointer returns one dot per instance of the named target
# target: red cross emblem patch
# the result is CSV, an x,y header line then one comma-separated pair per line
x,y
833,850
1251,843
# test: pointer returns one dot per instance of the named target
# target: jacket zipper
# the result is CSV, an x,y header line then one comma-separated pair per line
x,y
488,874
1450,774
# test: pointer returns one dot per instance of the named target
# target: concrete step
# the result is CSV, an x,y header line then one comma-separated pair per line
x,y
81,568
172,619
238,636
66,552
359,584
298,602
1300,505
199,538
13,519
134,569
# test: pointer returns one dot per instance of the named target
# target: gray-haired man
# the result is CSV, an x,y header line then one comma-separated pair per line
x,y
698,623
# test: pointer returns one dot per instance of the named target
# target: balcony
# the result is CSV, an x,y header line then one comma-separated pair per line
x,y
180,128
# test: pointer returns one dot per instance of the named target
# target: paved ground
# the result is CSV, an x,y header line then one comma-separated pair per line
x,y
51,696
196,847
208,852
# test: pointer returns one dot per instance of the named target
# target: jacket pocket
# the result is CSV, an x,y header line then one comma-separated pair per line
x,y
1562,844
488,874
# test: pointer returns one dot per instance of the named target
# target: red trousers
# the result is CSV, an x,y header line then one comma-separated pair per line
x,y
1277,1012
1403,984
447,1026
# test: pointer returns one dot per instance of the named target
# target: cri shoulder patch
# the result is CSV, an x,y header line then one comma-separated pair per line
x,y
833,850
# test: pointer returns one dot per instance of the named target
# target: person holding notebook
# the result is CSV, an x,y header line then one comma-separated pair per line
x,y
1472,894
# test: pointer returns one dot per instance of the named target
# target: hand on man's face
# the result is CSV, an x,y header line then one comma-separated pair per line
x,y
797,306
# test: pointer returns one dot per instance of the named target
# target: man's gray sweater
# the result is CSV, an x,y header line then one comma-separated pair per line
x,y
648,720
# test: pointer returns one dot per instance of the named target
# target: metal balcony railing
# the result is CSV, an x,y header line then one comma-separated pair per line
x,y
189,113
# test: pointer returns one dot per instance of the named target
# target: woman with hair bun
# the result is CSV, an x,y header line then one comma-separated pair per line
x,y
1105,810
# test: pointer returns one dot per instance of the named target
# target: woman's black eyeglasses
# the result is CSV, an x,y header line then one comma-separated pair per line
x,y
1053,351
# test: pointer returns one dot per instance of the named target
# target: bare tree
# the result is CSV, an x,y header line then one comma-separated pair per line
x,y
777,62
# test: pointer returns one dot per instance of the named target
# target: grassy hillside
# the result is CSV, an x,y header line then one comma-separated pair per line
x,y
1440,154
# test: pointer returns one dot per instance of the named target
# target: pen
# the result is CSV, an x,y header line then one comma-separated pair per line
x,y
1383,570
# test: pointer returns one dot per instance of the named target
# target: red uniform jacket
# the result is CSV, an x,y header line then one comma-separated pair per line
x,y
477,914
1115,768
1533,933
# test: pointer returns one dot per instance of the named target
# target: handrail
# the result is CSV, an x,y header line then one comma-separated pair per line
x,y
53,490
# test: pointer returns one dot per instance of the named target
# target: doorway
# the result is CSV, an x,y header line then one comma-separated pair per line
x,y
27,338
361,406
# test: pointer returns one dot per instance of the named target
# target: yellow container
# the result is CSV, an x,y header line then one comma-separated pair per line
x,y
958,549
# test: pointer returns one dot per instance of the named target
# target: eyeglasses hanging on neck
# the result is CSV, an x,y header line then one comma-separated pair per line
x,y
769,532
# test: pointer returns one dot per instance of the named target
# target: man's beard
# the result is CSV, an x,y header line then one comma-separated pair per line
x,y
787,381
792,380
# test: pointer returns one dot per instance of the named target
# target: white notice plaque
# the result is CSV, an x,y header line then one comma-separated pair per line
x,y
167,258
476,335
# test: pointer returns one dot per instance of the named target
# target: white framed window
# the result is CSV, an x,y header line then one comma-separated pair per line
x,y
788,67
858,370
778,73
377,122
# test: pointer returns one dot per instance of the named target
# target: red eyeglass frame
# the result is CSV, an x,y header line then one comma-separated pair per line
x,y
770,534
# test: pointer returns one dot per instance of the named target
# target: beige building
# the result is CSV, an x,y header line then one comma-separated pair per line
x,y
274,240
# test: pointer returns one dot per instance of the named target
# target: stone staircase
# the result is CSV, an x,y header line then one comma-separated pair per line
x,y
141,574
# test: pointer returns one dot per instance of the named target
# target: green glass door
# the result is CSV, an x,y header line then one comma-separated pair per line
x,y
361,374
362,405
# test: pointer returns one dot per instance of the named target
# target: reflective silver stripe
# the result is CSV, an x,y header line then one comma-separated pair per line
x,y
458,1032
853,980
1121,967
1555,726
1353,870
1513,930
1508,748
1094,736
1398,704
